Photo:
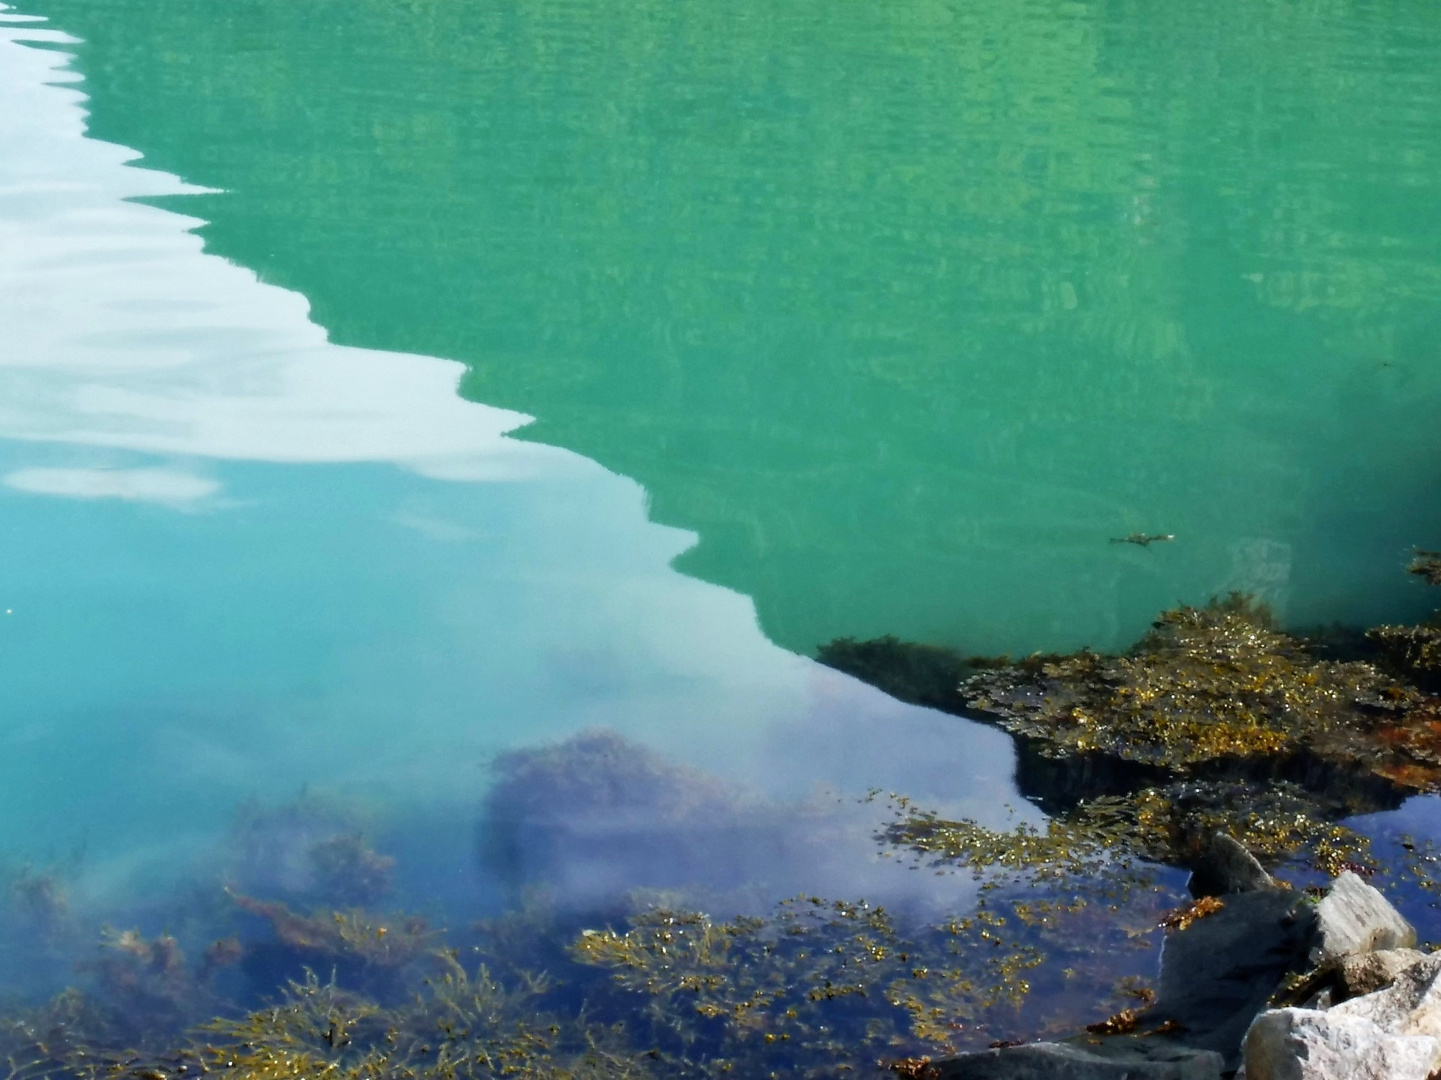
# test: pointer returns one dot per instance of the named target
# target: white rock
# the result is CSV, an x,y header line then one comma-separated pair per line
x,y
1303,1044
1355,918
1409,1006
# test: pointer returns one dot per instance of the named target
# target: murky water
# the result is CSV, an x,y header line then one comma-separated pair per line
x,y
388,387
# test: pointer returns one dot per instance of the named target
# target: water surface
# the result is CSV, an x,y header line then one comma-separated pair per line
x,y
242,562
389,387
904,310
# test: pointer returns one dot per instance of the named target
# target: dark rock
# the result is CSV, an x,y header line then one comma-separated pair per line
x,y
1069,1061
1225,866
927,675
1219,972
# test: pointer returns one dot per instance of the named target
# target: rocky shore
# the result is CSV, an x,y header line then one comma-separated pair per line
x,y
1264,982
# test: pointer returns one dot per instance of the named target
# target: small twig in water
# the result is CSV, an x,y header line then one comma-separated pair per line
x,y
1144,540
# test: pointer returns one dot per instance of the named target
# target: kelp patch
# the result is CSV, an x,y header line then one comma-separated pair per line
x,y
298,964
819,987
1203,686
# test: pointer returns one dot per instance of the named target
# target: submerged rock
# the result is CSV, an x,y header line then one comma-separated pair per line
x,y
1354,918
1305,1044
1222,970
1225,866
1068,1061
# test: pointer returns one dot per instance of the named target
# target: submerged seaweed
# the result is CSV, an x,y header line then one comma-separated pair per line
x,y
1116,838
1204,685
816,987
1217,721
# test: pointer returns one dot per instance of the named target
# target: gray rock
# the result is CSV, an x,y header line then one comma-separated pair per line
x,y
1366,973
1302,1044
1069,1061
1219,972
1224,867
1409,1006
1355,918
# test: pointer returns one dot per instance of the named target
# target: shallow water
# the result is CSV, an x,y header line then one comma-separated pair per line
x,y
243,559
387,387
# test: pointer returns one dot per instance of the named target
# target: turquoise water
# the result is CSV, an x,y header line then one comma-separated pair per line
x,y
240,561
903,310
384,387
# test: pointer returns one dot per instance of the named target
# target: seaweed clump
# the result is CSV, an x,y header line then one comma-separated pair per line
x,y
842,982
462,1026
1119,838
1204,685
310,851
381,955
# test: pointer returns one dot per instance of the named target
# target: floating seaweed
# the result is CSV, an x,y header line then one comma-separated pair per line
x,y
1144,540
1215,720
1116,839
1427,564
1414,651
1199,908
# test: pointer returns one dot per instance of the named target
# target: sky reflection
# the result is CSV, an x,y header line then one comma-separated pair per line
x,y
220,586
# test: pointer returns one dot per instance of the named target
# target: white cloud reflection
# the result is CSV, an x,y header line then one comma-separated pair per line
x,y
118,334
164,486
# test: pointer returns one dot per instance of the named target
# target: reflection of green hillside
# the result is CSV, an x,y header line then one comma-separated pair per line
x,y
905,309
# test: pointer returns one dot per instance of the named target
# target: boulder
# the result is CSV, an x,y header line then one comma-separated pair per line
x,y
1219,972
1225,866
1411,1005
1355,918
1303,1044
1365,973
1070,1061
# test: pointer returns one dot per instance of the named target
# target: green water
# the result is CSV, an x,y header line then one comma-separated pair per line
x,y
904,309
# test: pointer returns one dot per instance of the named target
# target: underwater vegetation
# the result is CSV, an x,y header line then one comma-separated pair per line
x,y
819,987
649,985
1215,720
622,957
311,851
